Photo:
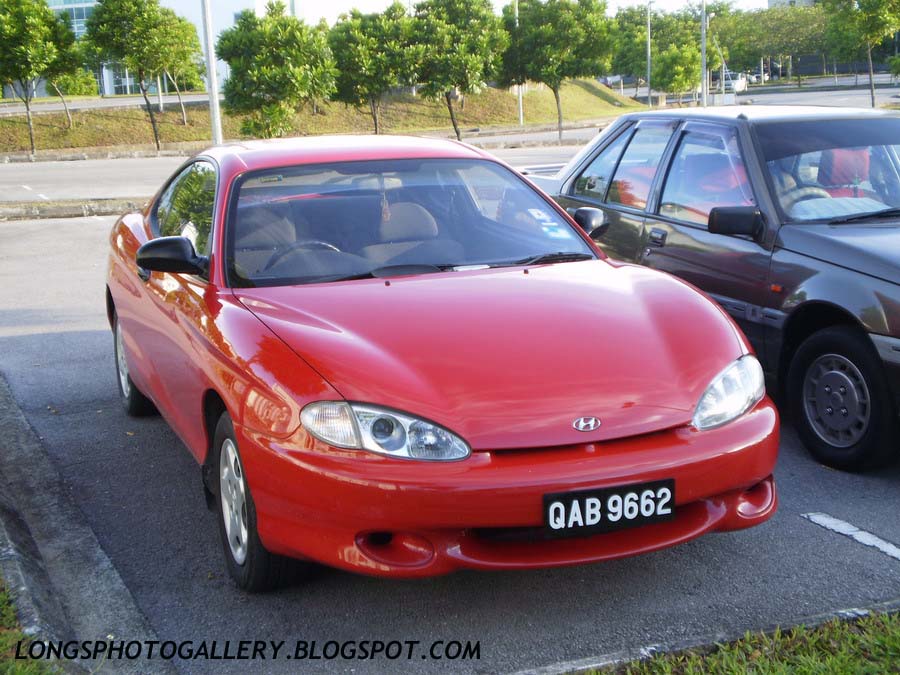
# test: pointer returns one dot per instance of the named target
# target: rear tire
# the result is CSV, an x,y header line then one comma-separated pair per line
x,y
134,402
251,566
840,401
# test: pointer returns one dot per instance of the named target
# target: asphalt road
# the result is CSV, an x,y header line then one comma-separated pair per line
x,y
99,178
140,491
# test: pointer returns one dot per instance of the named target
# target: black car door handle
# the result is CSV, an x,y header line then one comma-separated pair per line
x,y
143,274
657,237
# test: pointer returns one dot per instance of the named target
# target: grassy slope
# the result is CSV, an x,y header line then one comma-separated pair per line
x,y
9,636
582,99
869,645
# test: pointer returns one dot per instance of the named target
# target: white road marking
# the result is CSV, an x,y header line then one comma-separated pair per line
x,y
27,188
849,530
44,197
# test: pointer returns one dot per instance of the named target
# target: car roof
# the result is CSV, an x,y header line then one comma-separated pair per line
x,y
252,155
766,113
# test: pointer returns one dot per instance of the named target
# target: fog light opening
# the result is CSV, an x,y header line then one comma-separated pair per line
x,y
379,539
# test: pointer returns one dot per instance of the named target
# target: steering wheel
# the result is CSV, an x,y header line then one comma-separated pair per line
x,y
279,255
799,194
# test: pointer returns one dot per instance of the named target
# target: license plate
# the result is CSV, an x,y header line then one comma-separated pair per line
x,y
606,509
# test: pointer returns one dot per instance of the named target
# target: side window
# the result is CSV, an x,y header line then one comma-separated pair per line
x,y
631,183
186,207
592,183
707,171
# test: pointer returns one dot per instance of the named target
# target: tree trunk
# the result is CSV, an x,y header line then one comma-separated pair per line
x,y
558,112
143,87
180,100
834,63
871,73
373,109
159,94
448,98
65,105
26,97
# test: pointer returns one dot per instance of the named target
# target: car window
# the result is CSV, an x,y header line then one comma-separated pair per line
x,y
325,222
186,207
592,183
706,171
631,183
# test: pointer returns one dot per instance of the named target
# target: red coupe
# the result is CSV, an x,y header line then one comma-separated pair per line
x,y
396,356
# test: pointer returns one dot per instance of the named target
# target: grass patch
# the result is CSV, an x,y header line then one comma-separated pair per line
x,y
9,636
581,100
867,645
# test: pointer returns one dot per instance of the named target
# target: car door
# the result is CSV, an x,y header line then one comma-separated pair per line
x,y
185,209
706,170
619,180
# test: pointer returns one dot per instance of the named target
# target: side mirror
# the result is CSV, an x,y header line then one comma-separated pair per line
x,y
731,220
591,220
171,254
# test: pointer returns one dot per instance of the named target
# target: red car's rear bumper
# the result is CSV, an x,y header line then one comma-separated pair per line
x,y
383,516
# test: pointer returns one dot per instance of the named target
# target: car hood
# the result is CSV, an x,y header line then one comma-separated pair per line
x,y
510,357
871,248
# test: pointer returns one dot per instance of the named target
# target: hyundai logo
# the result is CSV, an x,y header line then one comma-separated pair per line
x,y
586,423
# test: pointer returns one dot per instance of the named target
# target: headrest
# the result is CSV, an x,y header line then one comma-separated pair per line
x,y
263,226
844,166
407,221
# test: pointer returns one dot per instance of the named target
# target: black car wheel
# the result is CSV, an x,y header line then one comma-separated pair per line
x,y
134,402
252,567
840,401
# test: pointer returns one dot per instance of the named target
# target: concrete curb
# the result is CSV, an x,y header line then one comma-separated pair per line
x,y
192,147
704,643
62,561
73,208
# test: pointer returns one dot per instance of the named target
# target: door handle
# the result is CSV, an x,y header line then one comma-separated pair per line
x,y
143,274
657,237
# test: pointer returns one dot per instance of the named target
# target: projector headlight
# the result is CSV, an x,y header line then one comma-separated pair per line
x,y
731,393
387,432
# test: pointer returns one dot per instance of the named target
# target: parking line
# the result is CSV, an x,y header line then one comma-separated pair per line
x,y
27,188
849,530
44,197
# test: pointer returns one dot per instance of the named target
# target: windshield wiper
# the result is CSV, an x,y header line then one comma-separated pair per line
x,y
559,256
384,271
890,212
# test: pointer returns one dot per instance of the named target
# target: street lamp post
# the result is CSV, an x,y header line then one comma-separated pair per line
x,y
519,86
212,80
704,84
649,91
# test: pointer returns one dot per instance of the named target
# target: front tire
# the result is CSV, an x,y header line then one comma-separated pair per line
x,y
840,401
134,402
251,566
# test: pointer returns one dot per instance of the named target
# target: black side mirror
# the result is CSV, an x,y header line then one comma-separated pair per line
x,y
591,220
745,220
171,254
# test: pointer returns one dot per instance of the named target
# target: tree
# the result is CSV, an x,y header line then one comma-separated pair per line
x,y
792,31
677,69
130,32
562,39
462,42
180,53
277,63
629,49
66,63
868,22
373,53
27,31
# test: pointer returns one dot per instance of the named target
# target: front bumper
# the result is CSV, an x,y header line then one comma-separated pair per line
x,y
367,513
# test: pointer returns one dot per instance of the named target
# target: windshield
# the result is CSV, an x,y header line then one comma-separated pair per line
x,y
833,169
327,222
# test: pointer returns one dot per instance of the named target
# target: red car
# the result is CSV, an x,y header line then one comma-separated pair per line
x,y
397,357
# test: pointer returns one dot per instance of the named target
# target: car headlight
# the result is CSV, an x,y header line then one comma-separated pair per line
x,y
367,427
731,393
